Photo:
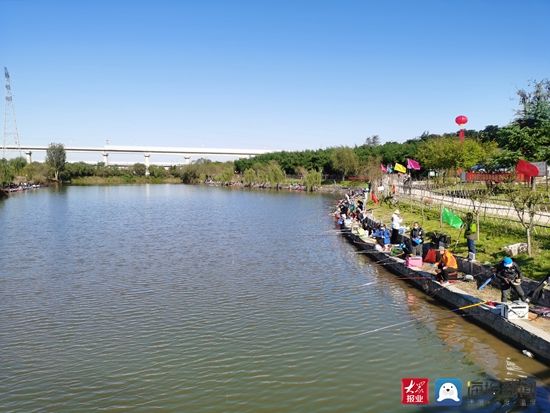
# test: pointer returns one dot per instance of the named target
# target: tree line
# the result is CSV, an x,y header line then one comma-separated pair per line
x,y
493,148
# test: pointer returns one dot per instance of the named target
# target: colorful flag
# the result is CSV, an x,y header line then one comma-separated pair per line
x,y
449,218
400,168
412,164
383,168
389,169
374,197
526,168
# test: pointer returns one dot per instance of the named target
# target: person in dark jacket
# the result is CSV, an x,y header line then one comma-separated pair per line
x,y
417,239
509,277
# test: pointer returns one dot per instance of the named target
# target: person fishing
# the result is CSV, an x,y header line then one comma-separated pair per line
x,y
447,265
510,277
382,235
470,233
417,239
396,221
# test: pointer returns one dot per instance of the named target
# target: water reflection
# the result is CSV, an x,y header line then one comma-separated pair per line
x,y
203,299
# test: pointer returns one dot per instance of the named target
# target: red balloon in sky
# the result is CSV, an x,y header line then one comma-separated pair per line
x,y
461,120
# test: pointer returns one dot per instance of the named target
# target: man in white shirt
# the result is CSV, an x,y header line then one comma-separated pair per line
x,y
396,221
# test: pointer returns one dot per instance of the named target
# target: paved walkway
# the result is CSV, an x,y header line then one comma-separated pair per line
x,y
465,204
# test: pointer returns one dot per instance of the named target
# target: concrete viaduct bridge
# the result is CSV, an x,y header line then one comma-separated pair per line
x,y
146,151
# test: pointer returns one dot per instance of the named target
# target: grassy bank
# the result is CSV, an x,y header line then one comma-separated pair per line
x,y
493,237
123,180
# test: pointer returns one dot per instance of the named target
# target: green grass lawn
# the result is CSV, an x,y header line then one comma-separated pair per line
x,y
493,237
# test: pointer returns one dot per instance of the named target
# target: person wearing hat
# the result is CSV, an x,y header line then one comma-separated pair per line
x,y
509,276
396,221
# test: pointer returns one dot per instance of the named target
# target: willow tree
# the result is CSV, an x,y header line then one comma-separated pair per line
x,y
312,180
344,160
275,175
249,177
6,173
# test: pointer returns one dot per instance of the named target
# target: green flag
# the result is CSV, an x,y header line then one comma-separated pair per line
x,y
451,219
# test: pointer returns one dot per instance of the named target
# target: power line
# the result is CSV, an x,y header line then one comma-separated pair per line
x,y
11,133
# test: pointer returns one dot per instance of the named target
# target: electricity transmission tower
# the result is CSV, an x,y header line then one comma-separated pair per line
x,y
11,134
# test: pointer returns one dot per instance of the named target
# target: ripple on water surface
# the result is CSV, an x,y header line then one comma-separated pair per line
x,y
199,300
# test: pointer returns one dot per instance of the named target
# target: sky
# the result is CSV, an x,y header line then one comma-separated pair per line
x,y
266,74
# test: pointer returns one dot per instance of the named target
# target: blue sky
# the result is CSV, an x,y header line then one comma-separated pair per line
x,y
266,74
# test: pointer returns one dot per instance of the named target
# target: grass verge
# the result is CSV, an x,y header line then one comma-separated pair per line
x,y
493,237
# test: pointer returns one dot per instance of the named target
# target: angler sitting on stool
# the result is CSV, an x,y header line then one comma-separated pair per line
x,y
447,266
509,276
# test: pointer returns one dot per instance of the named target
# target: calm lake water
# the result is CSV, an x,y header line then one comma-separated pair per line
x,y
192,299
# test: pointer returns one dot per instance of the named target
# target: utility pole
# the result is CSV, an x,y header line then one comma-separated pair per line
x,y
11,134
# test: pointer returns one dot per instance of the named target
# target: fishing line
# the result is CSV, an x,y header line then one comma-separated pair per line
x,y
385,328
390,261
423,319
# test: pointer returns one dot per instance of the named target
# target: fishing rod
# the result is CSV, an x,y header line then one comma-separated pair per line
x,y
390,261
536,294
425,318
430,277
425,288
400,278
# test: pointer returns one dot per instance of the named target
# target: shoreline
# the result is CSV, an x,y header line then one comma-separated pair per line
x,y
101,181
463,297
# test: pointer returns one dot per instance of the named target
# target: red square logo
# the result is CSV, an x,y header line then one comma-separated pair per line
x,y
415,391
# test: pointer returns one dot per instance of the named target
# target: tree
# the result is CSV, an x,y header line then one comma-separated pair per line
x,y
56,159
225,174
344,160
138,169
156,171
534,105
249,177
6,173
18,164
438,153
478,199
79,169
312,180
36,172
449,153
301,171
189,174
275,174
525,202
261,173
373,140
371,168
489,134
529,133
471,152
502,159
531,142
